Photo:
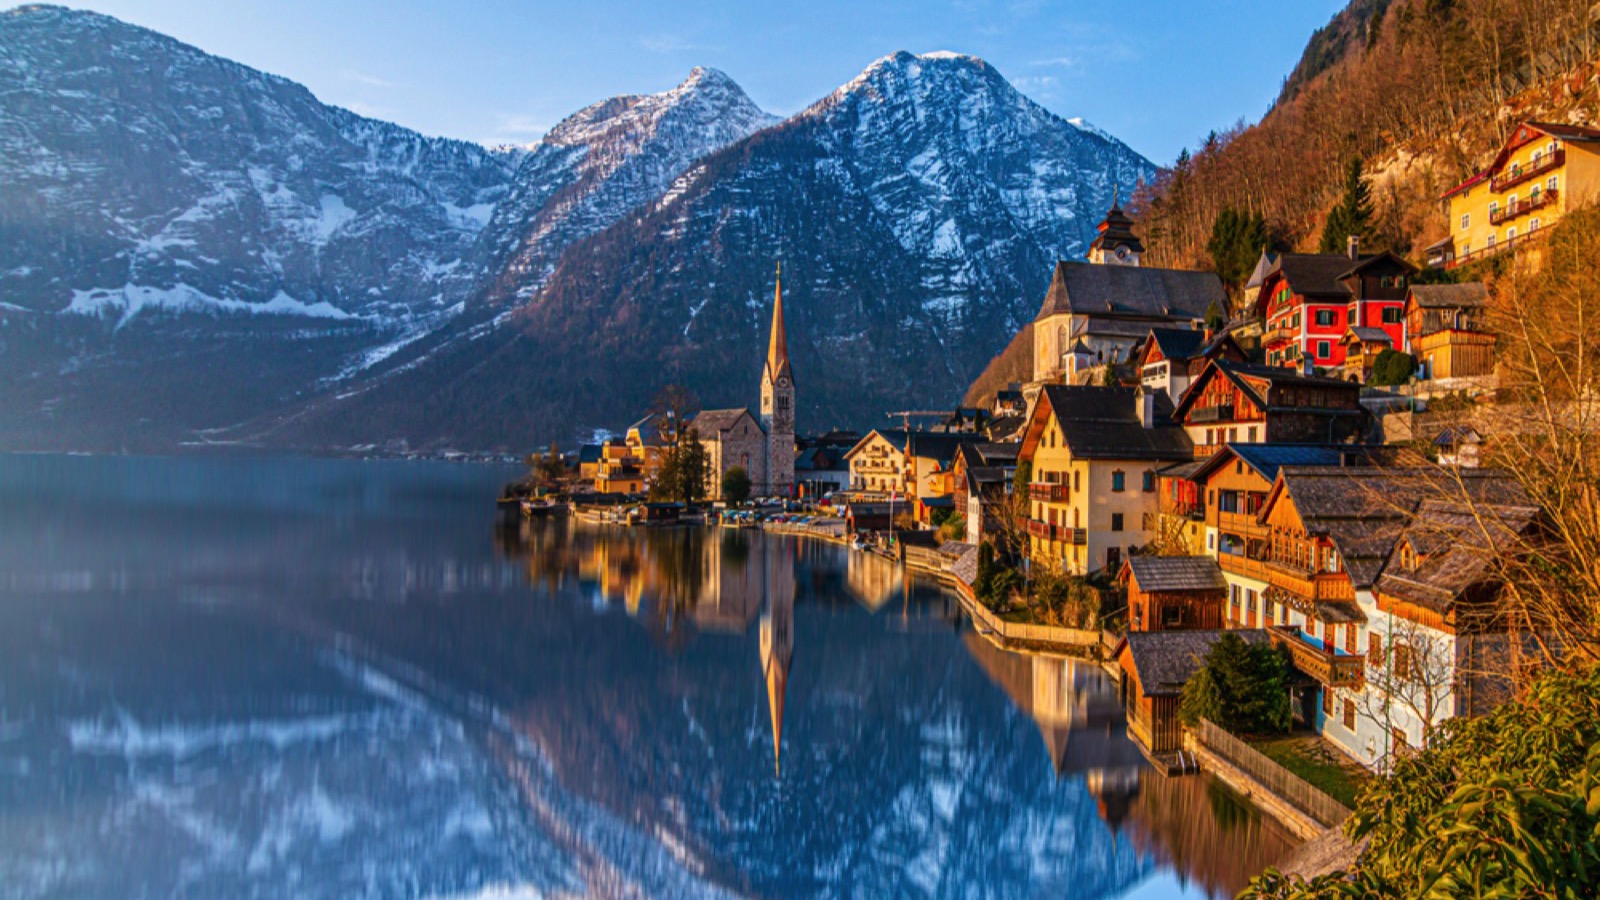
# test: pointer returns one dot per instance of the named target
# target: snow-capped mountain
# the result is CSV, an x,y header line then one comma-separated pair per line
x,y
918,210
140,174
606,160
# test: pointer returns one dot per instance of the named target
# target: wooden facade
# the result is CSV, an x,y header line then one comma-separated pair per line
x,y
1455,354
1170,610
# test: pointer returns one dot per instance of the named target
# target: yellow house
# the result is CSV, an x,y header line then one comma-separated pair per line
x,y
622,469
879,465
1543,171
1094,453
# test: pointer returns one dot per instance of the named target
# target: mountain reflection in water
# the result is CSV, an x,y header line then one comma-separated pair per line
x,y
295,678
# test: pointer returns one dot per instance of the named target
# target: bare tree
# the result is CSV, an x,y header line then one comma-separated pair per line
x,y
1414,674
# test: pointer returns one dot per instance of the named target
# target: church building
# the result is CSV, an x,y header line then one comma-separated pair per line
x,y
765,449
1098,311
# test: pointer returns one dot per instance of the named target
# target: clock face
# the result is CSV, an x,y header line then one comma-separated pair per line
x,y
783,382
1122,253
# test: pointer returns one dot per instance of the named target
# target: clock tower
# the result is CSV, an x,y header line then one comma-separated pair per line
x,y
777,403
1116,244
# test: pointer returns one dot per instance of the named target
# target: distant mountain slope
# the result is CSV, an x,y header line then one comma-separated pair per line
x,y
918,211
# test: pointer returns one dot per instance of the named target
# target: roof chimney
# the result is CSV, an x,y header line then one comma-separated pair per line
x,y
1146,401
1308,366
1353,246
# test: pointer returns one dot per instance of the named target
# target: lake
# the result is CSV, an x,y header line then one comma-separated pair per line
x,y
229,677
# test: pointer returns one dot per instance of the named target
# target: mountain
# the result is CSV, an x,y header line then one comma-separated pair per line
x,y
187,243
918,211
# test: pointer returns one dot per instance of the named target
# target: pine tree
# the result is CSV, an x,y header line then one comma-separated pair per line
x,y
1352,215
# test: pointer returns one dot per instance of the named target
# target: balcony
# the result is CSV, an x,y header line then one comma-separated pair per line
x,y
1075,536
1518,175
1308,585
1044,531
1239,564
1483,252
1331,667
1222,412
1522,207
1048,491
1279,334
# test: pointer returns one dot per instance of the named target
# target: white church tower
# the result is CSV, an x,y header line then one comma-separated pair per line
x,y
777,404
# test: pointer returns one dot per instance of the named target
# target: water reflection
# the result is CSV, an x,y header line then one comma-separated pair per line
x,y
315,679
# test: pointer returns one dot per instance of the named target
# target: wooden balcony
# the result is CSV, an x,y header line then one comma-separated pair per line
x,y
1524,173
1312,586
1280,334
1049,492
1330,667
1242,524
1242,565
1220,413
1047,532
1522,207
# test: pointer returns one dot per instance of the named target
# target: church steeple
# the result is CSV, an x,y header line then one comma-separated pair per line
x,y
778,346
1116,244
777,635
777,403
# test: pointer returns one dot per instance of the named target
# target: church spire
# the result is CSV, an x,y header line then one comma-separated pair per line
x,y
778,348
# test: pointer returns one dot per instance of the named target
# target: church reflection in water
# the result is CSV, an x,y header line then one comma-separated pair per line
x,y
678,583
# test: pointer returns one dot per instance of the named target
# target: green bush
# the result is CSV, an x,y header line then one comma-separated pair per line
x,y
736,485
1392,367
1507,805
1242,687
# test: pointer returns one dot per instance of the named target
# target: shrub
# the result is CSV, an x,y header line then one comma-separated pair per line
x,y
1392,367
1241,687
736,485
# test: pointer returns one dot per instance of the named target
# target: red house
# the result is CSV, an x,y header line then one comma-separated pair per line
x,y
1309,300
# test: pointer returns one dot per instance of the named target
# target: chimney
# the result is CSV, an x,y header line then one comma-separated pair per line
x,y
1353,246
1147,406
1307,365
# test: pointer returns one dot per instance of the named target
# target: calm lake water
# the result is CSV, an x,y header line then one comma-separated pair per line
x,y
291,678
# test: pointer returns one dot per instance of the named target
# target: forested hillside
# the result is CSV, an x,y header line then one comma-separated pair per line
x,y
1420,90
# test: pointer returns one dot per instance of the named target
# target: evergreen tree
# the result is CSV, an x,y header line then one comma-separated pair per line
x,y
1242,687
736,485
1352,215
1237,240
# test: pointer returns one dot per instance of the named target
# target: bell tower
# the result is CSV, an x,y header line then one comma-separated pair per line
x,y
777,403
1116,244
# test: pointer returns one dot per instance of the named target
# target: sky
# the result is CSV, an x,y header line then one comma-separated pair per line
x,y
1159,75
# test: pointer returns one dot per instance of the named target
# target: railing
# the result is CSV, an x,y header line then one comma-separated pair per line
x,y
1485,252
1018,632
1049,491
1308,584
1279,334
1240,564
1222,412
1544,164
1327,665
1077,536
1522,206
1293,789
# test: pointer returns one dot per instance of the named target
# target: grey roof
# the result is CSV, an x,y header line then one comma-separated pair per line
x,y
1451,435
1267,459
715,421
1176,573
649,431
1165,660
590,453
1265,265
1450,296
1458,544
1369,334
895,436
1103,423
939,445
1135,291
1004,428
1316,274
1179,343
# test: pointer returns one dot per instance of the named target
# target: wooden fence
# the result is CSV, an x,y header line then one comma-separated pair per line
x,y
1011,633
1289,787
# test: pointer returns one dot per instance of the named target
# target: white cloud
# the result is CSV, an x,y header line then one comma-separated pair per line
x,y
1061,62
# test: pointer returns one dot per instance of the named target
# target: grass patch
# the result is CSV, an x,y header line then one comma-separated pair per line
x,y
1020,615
1337,781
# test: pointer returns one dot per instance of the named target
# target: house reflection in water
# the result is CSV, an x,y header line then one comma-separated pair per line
x,y
1215,838
873,580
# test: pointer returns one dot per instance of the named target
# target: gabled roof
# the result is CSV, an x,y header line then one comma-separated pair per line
x,y
1524,134
1458,544
1265,265
1275,376
977,455
1471,295
1451,435
940,446
1267,459
1104,423
1165,660
896,437
1177,343
1176,573
1316,274
1367,334
1387,256
1131,291
649,430
712,422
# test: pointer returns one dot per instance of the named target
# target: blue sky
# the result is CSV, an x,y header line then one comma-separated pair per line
x,y
1159,75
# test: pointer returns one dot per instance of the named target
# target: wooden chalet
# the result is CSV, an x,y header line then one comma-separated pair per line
x,y
1154,666
1445,330
1170,359
1234,402
1308,300
1173,593
1362,344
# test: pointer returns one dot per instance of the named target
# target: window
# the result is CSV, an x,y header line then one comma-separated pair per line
x,y
1349,715
1533,225
1402,661
1324,349
1327,701
1251,431
1466,248
1511,233
1118,481
1551,183
1075,481
1494,210
1149,481
1511,204
1374,649
1393,315
1116,521
1325,317
1537,155
1466,221
1233,435
1233,602
1113,558
1488,242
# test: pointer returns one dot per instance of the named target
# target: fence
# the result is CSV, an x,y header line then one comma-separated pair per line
x,y
1018,632
1288,786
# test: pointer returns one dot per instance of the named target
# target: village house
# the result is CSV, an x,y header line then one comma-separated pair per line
x,y
1096,312
1248,403
1171,358
931,456
589,462
1094,453
1154,666
983,474
1445,330
821,469
1362,344
1173,593
1543,171
621,469
878,464
1308,301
